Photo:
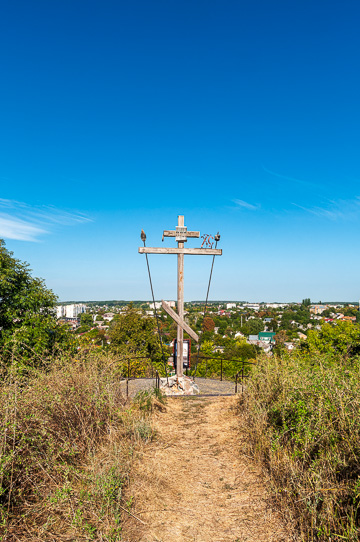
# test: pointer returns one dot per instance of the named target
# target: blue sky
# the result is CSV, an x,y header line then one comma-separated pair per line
x,y
243,116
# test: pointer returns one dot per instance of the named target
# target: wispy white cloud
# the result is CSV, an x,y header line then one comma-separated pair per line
x,y
246,205
290,179
24,222
335,210
14,228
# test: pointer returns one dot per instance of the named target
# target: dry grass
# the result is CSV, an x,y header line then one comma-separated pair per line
x,y
302,417
192,483
67,441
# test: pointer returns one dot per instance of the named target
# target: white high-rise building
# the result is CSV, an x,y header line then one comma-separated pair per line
x,y
158,304
60,311
70,311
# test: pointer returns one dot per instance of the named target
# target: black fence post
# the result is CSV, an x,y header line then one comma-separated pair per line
x,y
236,382
127,388
242,378
221,369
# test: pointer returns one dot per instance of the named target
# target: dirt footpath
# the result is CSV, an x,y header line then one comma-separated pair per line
x,y
192,483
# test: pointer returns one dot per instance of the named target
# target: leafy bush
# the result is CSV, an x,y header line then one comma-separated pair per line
x,y
342,339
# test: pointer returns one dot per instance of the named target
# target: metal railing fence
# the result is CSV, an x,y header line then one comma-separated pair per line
x,y
229,369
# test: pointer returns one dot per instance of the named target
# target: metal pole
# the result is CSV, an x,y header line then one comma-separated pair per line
x,y
127,387
221,367
242,378
236,382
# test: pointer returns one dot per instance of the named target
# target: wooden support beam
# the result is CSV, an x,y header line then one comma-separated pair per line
x,y
189,251
179,321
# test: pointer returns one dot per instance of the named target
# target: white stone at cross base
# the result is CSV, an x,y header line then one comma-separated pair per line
x,y
175,385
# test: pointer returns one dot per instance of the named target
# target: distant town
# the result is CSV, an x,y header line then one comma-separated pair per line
x,y
225,326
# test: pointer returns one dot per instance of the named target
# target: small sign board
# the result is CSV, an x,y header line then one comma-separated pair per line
x,y
186,353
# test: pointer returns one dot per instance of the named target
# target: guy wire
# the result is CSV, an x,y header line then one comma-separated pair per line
x,y
207,297
157,318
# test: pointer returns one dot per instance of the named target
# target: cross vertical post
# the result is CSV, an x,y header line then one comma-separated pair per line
x,y
180,304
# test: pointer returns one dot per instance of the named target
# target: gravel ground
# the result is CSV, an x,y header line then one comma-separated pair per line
x,y
206,385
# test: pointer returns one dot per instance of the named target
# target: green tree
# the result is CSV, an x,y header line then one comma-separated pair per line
x,y
342,339
84,328
207,348
28,325
273,325
286,319
253,327
240,350
86,319
222,325
134,337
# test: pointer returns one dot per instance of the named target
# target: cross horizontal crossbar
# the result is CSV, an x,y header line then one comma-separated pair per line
x,y
190,251
179,321
174,233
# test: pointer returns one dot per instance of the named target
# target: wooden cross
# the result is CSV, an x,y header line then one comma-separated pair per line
x,y
181,236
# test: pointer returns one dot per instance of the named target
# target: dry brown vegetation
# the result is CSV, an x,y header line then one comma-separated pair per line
x,y
302,417
67,440
194,484
78,462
